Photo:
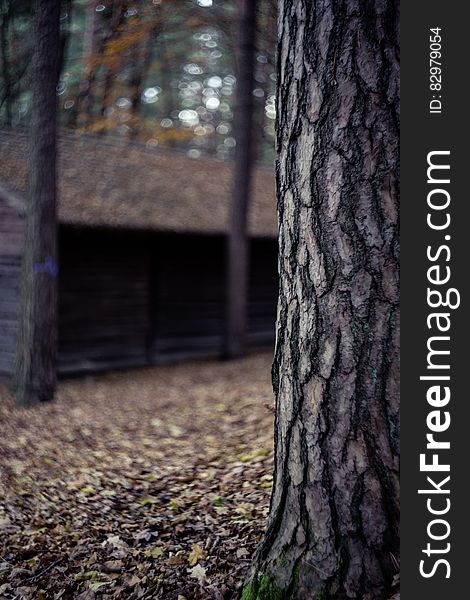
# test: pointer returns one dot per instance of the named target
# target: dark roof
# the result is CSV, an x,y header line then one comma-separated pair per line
x,y
119,184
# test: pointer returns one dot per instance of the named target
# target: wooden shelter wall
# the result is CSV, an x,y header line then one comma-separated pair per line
x,y
132,298
263,292
103,300
189,297
11,242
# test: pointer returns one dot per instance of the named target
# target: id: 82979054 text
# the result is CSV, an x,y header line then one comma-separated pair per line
x,y
435,70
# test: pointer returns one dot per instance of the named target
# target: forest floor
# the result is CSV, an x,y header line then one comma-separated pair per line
x,y
153,483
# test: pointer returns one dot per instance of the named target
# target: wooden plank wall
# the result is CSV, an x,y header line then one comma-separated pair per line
x,y
11,241
188,304
263,292
103,300
130,299
134,299
190,296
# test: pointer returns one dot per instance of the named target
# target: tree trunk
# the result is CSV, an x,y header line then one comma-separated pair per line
x,y
333,526
113,33
237,250
140,71
35,368
6,71
65,32
83,109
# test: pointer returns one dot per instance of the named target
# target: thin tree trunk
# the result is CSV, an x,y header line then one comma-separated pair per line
x,y
65,33
94,47
168,101
84,104
334,519
6,73
237,247
139,75
36,356
116,18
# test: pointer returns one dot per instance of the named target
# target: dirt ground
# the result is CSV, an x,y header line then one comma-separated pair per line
x,y
153,483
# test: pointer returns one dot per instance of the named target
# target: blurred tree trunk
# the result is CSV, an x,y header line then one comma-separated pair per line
x,y
334,519
7,99
140,70
84,105
113,32
35,373
238,243
95,46
169,97
65,32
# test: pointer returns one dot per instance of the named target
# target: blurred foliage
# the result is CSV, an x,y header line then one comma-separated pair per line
x,y
161,72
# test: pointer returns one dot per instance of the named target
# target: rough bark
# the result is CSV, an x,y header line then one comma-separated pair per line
x,y
35,368
333,527
237,247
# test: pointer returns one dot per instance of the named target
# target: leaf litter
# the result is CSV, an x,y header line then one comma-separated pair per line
x,y
153,483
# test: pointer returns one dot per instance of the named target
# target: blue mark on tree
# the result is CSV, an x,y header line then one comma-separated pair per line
x,y
48,266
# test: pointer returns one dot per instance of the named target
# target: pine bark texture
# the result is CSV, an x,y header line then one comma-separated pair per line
x,y
35,373
334,522
237,254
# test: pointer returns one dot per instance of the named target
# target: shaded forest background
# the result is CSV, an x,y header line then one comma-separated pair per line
x,y
160,73
153,71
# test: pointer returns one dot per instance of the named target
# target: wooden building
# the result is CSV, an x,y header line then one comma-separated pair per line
x,y
141,253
